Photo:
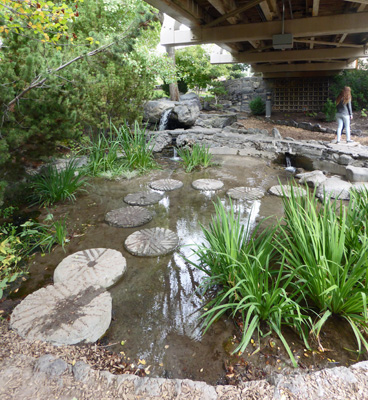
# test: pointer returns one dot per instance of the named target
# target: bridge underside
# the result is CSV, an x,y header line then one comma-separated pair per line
x,y
276,37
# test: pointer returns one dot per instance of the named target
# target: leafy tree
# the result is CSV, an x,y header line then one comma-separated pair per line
x,y
194,67
47,21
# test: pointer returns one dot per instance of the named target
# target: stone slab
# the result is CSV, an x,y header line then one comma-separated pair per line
x,y
207,184
312,179
286,191
335,188
143,198
128,217
64,314
166,185
245,193
356,174
101,267
152,242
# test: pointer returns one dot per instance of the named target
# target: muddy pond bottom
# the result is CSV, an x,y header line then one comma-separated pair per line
x,y
158,302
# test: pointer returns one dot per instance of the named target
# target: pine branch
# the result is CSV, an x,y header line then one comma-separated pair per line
x,y
38,82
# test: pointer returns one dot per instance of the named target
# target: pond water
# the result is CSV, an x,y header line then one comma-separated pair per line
x,y
156,304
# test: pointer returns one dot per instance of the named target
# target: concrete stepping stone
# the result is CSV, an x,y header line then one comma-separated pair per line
x,y
63,314
128,217
102,267
281,191
245,193
143,198
207,184
152,242
166,185
335,188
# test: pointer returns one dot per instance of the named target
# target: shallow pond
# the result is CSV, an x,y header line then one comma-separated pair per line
x,y
156,304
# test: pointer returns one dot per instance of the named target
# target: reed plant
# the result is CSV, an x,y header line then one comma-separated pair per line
x,y
195,157
53,185
251,283
120,152
136,147
326,248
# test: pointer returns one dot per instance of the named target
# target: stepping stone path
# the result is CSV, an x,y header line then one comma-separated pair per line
x,y
245,193
166,185
278,191
207,184
143,198
152,242
63,314
128,217
102,267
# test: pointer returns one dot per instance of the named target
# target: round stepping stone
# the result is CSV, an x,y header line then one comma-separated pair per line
x,y
245,193
152,242
128,217
207,184
281,191
143,198
102,267
166,185
63,314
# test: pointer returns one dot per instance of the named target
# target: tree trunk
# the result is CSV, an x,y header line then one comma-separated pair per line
x,y
173,87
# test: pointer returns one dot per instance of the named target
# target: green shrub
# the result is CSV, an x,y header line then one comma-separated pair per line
x,y
257,106
53,185
357,80
195,157
18,242
329,108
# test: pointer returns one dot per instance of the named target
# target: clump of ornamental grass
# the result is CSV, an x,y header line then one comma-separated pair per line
x,y
53,185
252,283
325,247
122,151
195,157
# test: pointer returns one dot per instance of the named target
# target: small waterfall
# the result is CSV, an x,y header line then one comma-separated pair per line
x,y
175,156
289,167
164,119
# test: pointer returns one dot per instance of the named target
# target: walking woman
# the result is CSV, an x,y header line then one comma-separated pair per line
x,y
344,113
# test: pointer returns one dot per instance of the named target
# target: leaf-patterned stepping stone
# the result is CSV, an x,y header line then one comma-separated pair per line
x,y
152,242
64,313
245,193
102,267
166,185
143,198
286,191
207,184
128,217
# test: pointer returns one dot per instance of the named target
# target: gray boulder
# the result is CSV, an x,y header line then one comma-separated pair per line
x,y
356,174
312,179
276,133
153,110
184,98
335,188
184,115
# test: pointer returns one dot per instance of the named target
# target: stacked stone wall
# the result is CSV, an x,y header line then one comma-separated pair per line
x,y
288,95
242,91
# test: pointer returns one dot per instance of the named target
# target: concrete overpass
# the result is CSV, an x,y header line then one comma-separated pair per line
x,y
277,37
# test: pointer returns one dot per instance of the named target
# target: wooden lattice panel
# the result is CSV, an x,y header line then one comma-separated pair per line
x,y
300,95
